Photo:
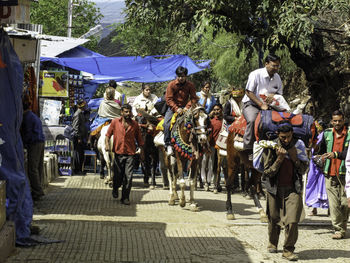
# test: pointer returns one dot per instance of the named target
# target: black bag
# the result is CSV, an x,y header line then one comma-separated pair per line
x,y
161,106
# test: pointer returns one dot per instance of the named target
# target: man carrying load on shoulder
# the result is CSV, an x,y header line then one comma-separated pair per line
x,y
282,177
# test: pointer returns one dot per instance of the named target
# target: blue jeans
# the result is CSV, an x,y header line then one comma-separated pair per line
x,y
166,125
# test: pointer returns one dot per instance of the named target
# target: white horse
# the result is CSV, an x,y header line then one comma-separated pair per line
x,y
190,136
107,156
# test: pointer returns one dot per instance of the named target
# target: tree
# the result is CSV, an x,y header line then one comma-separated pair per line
x,y
315,32
52,14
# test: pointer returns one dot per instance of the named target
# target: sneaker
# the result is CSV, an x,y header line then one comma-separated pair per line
x,y
289,256
115,193
169,150
272,249
337,235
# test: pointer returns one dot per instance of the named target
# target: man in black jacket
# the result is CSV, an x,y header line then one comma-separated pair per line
x,y
283,169
80,134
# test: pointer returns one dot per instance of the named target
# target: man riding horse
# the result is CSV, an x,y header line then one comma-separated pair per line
x,y
177,96
260,79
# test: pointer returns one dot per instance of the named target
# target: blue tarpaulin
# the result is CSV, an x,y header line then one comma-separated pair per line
x,y
79,52
19,201
137,69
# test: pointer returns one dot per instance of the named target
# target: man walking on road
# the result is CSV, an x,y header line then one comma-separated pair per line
x,y
259,79
283,169
125,131
333,147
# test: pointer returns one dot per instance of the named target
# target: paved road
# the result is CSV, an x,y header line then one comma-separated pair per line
x,y
96,228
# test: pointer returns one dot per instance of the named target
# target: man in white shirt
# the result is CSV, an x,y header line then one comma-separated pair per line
x,y
347,176
259,79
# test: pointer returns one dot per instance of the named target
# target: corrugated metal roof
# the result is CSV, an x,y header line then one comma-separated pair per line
x,y
51,46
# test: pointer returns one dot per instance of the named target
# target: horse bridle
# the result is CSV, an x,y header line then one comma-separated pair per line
x,y
197,129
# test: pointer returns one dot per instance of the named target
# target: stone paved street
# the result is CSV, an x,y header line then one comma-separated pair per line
x,y
96,228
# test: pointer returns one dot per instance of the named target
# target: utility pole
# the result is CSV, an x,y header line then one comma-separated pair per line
x,y
70,17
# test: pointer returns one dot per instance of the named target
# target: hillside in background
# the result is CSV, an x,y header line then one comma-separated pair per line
x,y
106,48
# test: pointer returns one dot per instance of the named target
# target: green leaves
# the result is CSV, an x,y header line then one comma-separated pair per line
x,y
52,14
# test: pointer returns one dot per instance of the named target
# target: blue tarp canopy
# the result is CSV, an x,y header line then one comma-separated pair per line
x,y
79,52
137,69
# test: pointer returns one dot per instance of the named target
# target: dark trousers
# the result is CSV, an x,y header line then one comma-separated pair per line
x,y
166,125
151,159
123,171
35,154
78,155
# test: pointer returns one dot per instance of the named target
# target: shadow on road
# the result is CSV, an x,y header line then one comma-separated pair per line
x,y
314,254
92,241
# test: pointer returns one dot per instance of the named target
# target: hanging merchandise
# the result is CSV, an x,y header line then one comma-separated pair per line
x,y
76,89
30,89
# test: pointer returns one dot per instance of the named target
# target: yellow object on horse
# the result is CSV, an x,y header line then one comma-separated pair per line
x,y
98,129
173,120
160,126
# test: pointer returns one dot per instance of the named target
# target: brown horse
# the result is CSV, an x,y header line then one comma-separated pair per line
x,y
234,160
190,140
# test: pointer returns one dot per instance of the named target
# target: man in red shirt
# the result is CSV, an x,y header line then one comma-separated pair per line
x,y
333,147
125,131
177,96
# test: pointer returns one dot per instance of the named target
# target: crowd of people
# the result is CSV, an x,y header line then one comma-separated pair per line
x,y
284,164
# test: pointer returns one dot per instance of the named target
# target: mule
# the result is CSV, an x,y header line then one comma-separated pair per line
x,y
108,157
190,140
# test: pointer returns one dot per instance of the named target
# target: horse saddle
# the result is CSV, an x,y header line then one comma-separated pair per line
x,y
238,127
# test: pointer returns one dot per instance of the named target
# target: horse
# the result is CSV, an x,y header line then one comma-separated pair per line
x,y
235,159
108,157
190,140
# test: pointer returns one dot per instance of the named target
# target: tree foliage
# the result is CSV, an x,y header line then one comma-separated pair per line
x,y
53,15
316,34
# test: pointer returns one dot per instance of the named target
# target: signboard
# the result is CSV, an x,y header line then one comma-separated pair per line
x,y
53,83
15,12
50,111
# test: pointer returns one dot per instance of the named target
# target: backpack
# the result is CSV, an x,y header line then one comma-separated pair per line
x,y
266,125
